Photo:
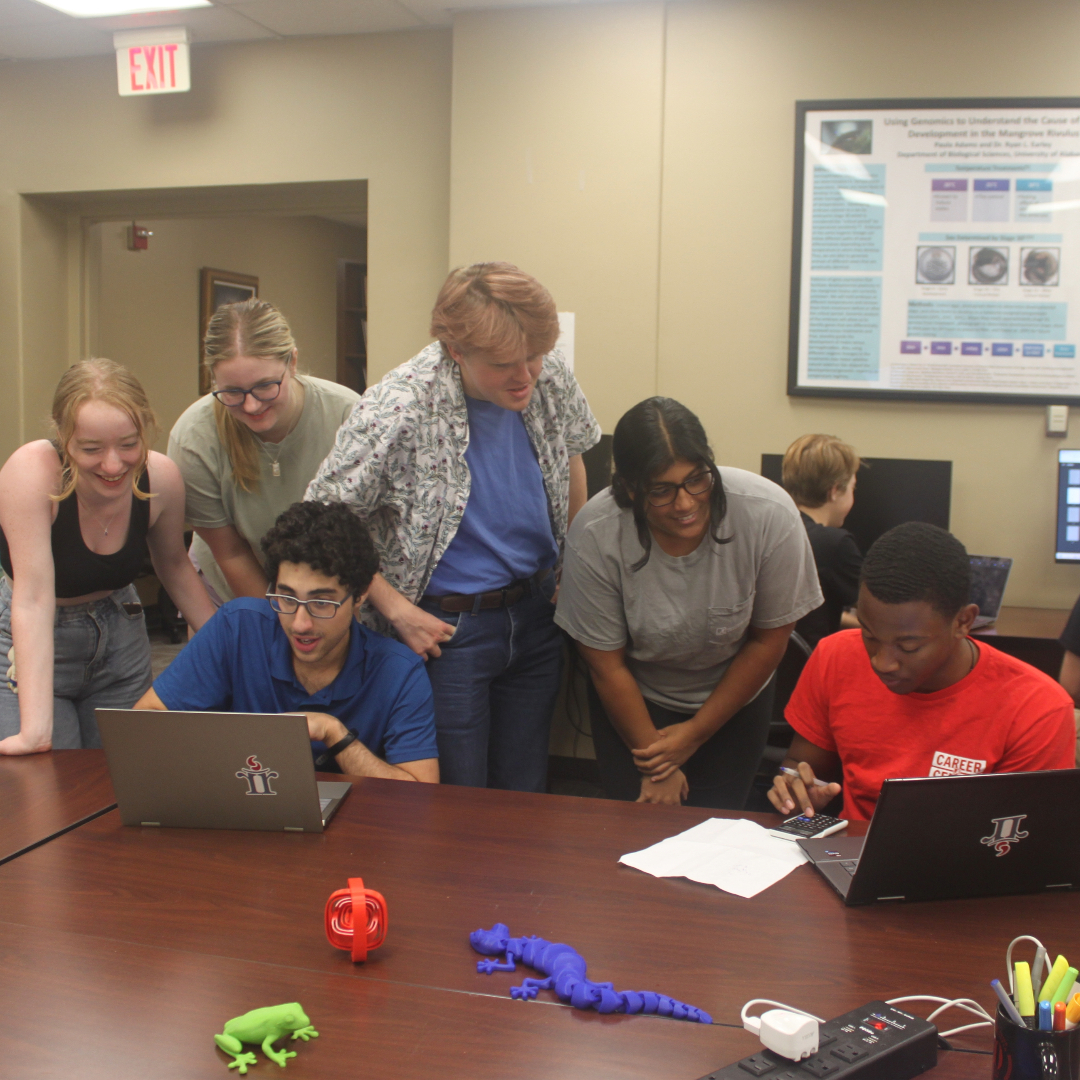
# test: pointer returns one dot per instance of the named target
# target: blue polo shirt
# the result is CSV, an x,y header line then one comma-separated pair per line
x,y
240,661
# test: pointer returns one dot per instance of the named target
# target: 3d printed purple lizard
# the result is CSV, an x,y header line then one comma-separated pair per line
x,y
566,976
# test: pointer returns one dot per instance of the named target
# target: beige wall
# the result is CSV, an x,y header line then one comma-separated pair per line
x,y
147,302
660,240
372,107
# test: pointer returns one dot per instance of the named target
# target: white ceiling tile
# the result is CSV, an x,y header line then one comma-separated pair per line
x,y
310,17
204,24
27,13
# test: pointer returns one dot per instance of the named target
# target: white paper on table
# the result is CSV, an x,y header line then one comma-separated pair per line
x,y
736,855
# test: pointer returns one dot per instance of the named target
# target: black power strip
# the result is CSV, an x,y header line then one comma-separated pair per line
x,y
876,1042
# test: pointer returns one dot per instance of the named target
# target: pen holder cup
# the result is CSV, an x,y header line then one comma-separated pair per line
x,y
1022,1053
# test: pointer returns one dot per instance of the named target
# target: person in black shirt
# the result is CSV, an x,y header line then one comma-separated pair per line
x,y
819,474
1069,676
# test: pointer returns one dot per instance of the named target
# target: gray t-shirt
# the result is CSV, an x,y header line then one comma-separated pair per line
x,y
682,619
214,499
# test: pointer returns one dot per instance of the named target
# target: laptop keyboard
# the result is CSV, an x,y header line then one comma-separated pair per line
x,y
849,865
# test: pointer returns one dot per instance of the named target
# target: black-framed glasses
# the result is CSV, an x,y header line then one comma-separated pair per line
x,y
264,391
317,609
666,494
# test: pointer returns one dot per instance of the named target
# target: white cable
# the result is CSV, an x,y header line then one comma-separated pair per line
x,y
966,1027
779,1004
1009,963
967,1004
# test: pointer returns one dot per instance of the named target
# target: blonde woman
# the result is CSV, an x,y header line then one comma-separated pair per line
x,y
79,515
248,450
819,474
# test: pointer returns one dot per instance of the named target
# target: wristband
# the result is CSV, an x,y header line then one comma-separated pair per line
x,y
333,751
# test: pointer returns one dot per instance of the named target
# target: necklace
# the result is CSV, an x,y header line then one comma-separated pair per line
x,y
275,463
974,655
94,517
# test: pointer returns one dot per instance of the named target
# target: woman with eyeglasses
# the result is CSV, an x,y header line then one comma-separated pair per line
x,y
248,450
681,584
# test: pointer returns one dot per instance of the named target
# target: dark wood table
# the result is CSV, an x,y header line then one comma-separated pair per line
x,y
1030,634
141,943
42,795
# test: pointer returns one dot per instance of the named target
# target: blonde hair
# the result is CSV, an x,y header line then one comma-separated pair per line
x,y
252,328
814,465
495,308
109,382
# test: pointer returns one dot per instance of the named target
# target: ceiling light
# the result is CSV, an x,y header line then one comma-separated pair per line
x,y
95,9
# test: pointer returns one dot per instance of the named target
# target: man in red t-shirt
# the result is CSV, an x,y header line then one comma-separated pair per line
x,y
910,694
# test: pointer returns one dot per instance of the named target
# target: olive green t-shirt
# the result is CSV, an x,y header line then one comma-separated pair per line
x,y
215,500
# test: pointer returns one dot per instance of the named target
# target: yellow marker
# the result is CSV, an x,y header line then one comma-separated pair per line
x,y
1065,987
1072,1010
1025,998
1057,972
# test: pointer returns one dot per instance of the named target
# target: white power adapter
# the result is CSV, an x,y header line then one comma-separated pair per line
x,y
790,1034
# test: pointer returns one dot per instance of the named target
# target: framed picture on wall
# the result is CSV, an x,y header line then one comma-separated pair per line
x,y
932,250
217,287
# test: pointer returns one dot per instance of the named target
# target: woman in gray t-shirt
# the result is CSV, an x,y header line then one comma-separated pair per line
x,y
681,584
249,450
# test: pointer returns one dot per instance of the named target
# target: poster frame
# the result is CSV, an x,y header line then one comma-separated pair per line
x,y
802,108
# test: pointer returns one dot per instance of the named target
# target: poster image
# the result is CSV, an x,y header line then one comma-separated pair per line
x,y
936,250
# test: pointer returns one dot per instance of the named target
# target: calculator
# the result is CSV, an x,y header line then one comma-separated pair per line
x,y
805,828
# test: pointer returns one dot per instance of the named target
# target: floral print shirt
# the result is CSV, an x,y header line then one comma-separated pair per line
x,y
399,460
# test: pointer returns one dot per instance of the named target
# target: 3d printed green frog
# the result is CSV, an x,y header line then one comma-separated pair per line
x,y
264,1026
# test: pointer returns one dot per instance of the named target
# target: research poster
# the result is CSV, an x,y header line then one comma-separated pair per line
x,y
937,250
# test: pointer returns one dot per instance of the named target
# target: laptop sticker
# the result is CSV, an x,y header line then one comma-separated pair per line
x,y
259,778
1006,833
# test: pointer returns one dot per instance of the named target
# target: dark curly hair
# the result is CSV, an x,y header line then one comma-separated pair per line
x,y
917,561
648,440
329,537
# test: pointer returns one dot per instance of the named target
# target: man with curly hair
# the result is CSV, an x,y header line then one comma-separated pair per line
x,y
367,699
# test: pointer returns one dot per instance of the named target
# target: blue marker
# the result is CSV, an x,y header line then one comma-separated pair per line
x,y
1046,1017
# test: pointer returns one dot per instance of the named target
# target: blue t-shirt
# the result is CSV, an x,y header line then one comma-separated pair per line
x,y
505,534
240,661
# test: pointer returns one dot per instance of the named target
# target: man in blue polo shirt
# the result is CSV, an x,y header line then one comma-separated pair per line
x,y
367,698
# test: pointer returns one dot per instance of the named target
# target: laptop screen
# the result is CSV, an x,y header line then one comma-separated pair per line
x,y
989,575
1067,548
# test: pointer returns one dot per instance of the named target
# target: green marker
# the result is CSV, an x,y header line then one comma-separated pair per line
x,y
1053,980
1064,987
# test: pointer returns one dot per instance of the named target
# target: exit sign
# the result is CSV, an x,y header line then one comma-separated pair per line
x,y
152,61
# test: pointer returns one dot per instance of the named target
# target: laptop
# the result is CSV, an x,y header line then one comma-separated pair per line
x,y
207,770
935,838
989,576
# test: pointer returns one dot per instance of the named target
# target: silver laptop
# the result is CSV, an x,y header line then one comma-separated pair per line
x,y
207,770
989,576
934,838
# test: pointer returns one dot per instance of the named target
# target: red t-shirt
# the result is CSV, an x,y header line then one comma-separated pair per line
x,y
1004,716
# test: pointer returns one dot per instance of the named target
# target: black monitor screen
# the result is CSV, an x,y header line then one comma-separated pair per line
x,y
888,492
1068,504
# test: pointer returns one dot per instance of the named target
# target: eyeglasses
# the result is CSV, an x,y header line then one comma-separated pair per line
x,y
666,494
317,609
264,391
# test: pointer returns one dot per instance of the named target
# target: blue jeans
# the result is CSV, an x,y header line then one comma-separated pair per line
x,y
495,686
101,660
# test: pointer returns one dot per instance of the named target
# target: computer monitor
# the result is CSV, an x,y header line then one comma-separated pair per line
x,y
1068,507
888,492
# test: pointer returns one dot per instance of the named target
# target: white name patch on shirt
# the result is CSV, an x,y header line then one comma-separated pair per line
x,y
951,765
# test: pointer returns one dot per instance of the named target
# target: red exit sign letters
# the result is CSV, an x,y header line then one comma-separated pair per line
x,y
153,61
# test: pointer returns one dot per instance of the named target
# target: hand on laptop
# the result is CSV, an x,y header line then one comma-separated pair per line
x,y
803,792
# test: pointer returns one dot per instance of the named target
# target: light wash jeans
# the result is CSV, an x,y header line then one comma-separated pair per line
x,y
101,661
495,687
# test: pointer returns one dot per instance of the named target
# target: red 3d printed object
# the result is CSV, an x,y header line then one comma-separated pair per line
x,y
356,919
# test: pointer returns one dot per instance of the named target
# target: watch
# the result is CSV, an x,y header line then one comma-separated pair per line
x,y
333,751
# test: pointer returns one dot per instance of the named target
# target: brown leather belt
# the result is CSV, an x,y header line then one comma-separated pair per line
x,y
513,592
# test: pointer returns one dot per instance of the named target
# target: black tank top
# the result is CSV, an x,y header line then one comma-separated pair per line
x,y
80,571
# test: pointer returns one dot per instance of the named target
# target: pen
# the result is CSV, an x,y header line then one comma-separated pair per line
x,y
1053,980
1037,969
1046,1022
1006,1003
1025,998
791,772
1059,1016
1065,987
